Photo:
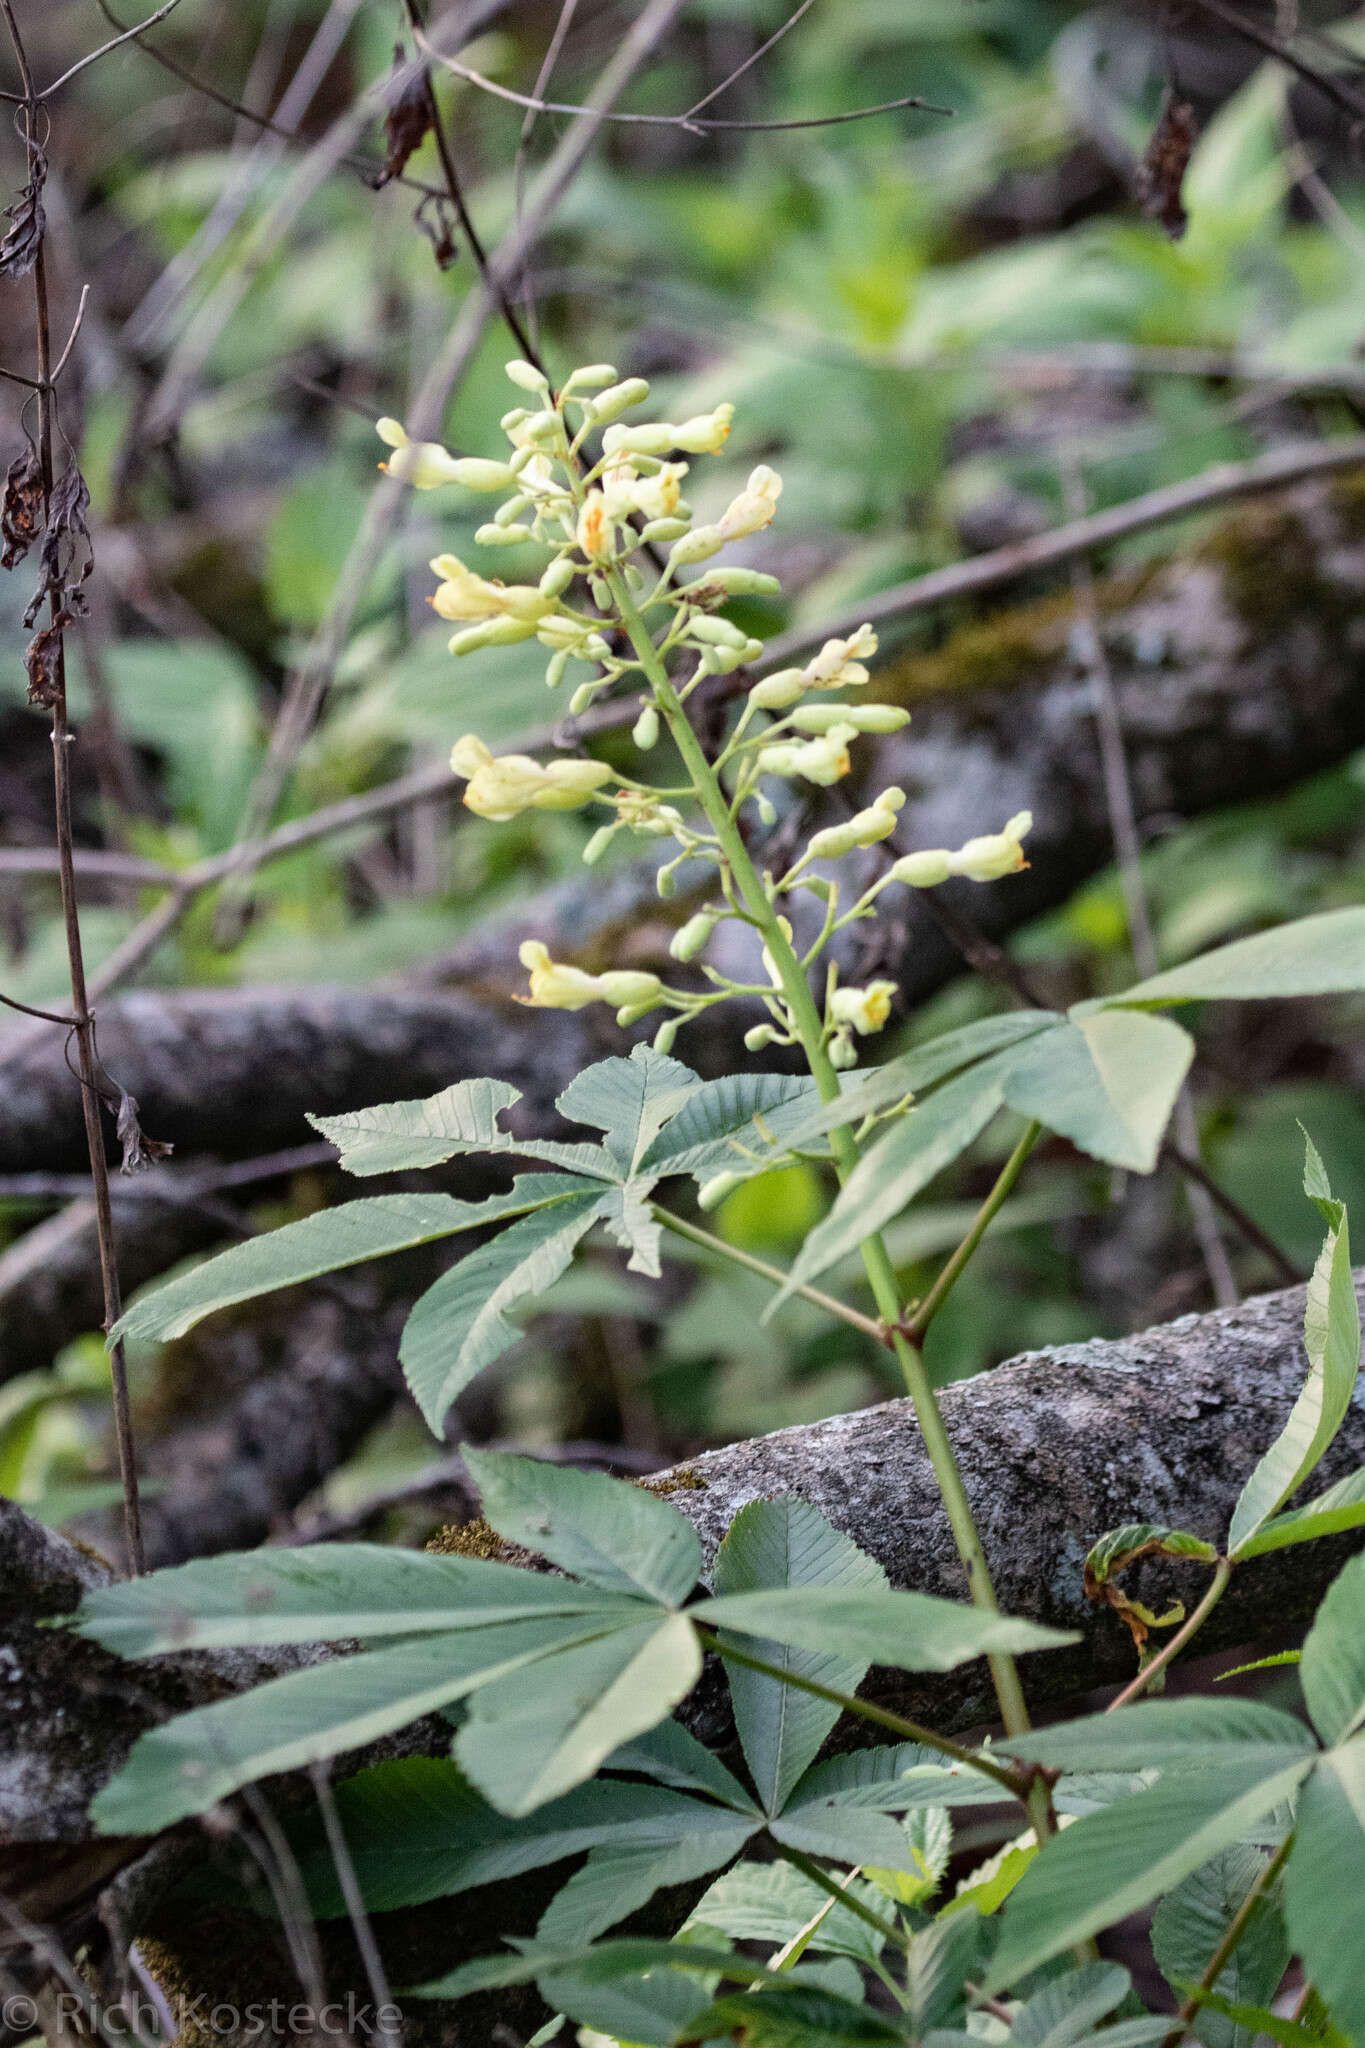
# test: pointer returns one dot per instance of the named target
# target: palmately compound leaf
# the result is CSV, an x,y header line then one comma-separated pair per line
x,y
905,1159
323,1243
192,1762
629,1100
1331,1331
618,1880
629,1221
612,1534
775,1904
787,1542
1324,1883
1190,1923
331,1592
395,1137
1313,956
865,1093
525,1744
1114,1863
460,1324
1333,1667
912,1631
1108,1082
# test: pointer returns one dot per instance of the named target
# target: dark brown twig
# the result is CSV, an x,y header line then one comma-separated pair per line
x,y
82,1023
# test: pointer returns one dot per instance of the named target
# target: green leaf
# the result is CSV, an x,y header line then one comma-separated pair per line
x,y
904,1160
912,1631
327,1593
1256,2019
603,1530
1342,1507
1113,1863
323,1243
921,1868
898,1778
786,1542
604,1963
1108,1082
925,1064
795,2016
523,1745
1166,1732
1190,1923
394,1137
460,1324
1331,1332
417,1830
630,1100
617,1881
1065,2012
1333,1667
629,1221
673,1756
1324,1883
1120,1547
737,1122
842,1834
985,1889
942,1958
774,1903
192,1762
1313,956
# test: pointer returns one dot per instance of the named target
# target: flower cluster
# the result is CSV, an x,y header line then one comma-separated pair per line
x,y
631,589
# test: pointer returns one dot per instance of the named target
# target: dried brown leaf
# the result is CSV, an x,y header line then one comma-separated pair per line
x,y
408,119
23,238
139,1151
41,658
22,508
1161,174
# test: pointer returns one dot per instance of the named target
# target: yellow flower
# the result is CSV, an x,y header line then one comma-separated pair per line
x,y
822,760
981,860
594,528
426,465
863,1009
555,986
839,664
706,434
753,509
501,786
864,828
462,594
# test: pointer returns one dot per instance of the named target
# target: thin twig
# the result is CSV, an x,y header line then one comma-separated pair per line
x,y
129,35
917,1325
749,62
1213,1593
82,1023
28,1010
371,1960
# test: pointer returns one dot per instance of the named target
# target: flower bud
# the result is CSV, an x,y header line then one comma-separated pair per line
x,y
554,669
923,870
759,1036
753,509
582,698
477,474
557,577
645,731
843,1053
704,435
666,1033
718,632
426,465
492,536
640,437
689,939
862,717
594,527
492,633
598,844
630,990
511,510
776,692
666,884
527,375
664,530
618,398
590,376
823,761
735,582
996,854
703,541
539,428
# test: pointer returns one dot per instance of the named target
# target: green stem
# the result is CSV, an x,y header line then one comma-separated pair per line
x,y
708,1242
917,1327
809,1868
1217,1586
810,1027
1013,1782
1227,1947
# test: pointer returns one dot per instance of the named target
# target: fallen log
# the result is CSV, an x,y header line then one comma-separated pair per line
x,y
1056,1447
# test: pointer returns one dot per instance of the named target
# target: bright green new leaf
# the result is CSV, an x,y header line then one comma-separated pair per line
x,y
1333,1667
1313,956
904,1160
603,1530
460,1324
1108,1082
525,1744
395,1137
1324,1883
1331,1332
323,1243
985,1889
329,1592
913,1631
928,1846
192,1762
1115,1862
1188,1927
786,1542
629,1100
1342,1507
